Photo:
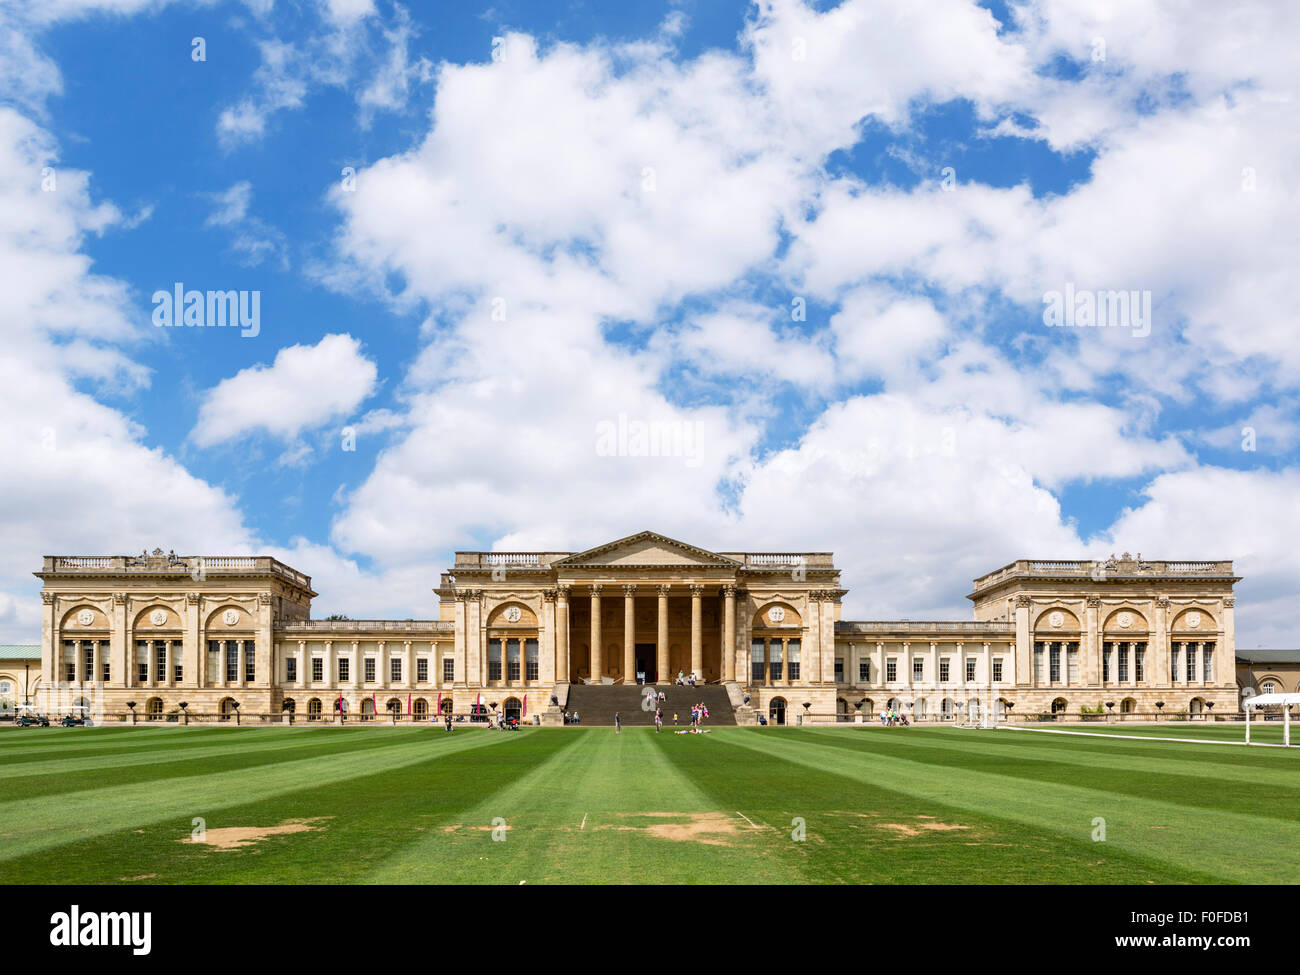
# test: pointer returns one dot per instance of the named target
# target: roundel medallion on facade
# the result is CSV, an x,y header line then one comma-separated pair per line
x,y
85,617
1056,619
230,617
776,614
1193,620
158,617
1125,620
513,614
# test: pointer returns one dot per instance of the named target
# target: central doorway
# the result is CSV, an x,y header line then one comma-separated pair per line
x,y
646,662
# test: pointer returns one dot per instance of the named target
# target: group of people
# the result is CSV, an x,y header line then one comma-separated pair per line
x,y
571,717
891,719
685,680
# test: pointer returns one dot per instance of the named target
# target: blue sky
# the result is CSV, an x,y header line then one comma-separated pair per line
x,y
647,189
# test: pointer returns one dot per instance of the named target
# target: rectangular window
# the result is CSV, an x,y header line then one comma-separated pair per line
x,y
422,670
891,670
1139,661
1123,662
970,671
1173,661
177,670
395,670
792,663
449,670
70,660
250,660
232,661
1055,662
142,661
344,669
1038,663
1207,663
864,671
370,670
774,666
290,668
1106,650
945,670
1072,663
88,661
1191,662
757,674
532,671
918,668
214,661
160,655
512,660
997,670
494,659
318,669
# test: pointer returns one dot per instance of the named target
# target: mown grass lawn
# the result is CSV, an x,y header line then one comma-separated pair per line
x,y
583,805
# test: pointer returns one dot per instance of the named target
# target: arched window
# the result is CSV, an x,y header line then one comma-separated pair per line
x,y
947,708
1127,706
1268,687
841,709
313,709
776,711
421,709
154,708
367,709
289,705
1196,705
867,707
918,709
227,708
893,704
1059,706
446,705
394,706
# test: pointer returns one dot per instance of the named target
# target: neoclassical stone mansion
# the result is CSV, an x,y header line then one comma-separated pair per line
x,y
227,633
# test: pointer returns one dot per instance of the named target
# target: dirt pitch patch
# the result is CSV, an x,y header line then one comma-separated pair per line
x,y
236,837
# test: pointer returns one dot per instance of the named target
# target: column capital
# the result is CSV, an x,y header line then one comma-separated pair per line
x,y
1229,601
47,597
562,593
728,591
548,595
664,590
1024,601
629,589
1093,602
596,587
696,590
1162,602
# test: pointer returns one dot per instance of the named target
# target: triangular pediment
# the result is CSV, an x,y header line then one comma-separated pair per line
x,y
646,548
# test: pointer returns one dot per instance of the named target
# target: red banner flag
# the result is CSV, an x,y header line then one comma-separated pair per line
x,y
524,713
408,704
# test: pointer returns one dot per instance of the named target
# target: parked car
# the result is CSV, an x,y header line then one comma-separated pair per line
x,y
32,721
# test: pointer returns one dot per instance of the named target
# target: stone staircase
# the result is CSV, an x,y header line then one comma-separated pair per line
x,y
596,704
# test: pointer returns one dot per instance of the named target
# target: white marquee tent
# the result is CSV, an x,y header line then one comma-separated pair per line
x,y
1283,701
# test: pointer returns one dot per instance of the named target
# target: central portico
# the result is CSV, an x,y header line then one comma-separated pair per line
x,y
644,609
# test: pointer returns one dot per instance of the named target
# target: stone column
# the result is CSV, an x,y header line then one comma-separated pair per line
x,y
78,662
728,632
1158,646
880,663
409,664
1226,652
194,654
905,664
629,634
1090,645
357,665
97,663
240,660
169,665
1024,648
304,665
562,634
697,635
661,643
597,659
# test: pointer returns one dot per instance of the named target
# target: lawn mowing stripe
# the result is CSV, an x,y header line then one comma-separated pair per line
x,y
231,760
1057,762
1246,848
623,785
48,821
1199,764
168,753
857,831
92,740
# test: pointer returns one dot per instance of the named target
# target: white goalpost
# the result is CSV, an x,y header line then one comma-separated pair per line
x,y
1261,701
